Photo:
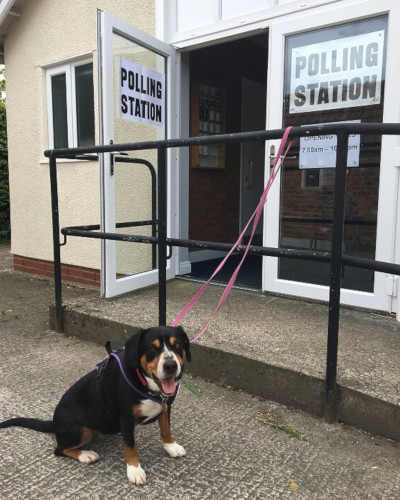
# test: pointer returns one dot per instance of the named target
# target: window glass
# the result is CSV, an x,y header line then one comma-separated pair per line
x,y
84,104
60,121
332,75
71,105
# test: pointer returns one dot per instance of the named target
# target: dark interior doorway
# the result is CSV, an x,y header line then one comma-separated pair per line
x,y
224,184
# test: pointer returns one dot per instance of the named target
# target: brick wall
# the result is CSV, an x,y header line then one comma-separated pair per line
x,y
68,272
317,203
214,202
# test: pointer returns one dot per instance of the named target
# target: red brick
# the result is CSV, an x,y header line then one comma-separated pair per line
x,y
18,260
35,264
46,268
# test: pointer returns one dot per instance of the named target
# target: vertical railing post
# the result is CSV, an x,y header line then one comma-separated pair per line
x,y
162,236
56,244
335,276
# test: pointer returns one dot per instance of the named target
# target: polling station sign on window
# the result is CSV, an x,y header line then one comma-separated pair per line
x,y
334,74
142,94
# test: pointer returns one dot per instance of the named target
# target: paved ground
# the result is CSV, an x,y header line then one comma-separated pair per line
x,y
231,452
273,347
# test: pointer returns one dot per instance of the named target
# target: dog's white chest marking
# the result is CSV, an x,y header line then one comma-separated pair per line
x,y
149,409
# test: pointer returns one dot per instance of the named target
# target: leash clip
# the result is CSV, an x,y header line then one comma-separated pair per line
x,y
100,367
111,346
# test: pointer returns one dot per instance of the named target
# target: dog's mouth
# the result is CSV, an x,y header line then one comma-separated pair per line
x,y
166,385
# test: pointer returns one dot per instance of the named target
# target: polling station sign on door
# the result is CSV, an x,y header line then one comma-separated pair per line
x,y
339,73
142,94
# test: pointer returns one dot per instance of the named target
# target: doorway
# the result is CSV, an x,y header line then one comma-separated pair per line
x,y
224,192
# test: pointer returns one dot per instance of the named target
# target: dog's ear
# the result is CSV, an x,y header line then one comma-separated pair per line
x,y
186,343
132,354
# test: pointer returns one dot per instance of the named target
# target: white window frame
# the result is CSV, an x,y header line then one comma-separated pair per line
x,y
67,68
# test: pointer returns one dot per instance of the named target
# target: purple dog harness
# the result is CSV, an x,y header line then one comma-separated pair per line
x,y
162,400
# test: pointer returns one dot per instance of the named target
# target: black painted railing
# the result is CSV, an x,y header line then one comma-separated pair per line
x,y
335,256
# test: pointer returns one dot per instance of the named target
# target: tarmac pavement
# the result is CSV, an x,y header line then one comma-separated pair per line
x,y
239,446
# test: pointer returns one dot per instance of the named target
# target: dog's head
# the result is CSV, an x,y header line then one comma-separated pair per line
x,y
160,353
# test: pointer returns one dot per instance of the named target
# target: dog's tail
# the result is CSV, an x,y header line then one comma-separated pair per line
x,y
29,423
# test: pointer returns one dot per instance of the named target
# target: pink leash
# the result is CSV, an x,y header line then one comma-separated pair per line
x,y
282,152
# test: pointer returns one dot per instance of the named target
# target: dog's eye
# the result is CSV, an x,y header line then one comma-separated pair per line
x,y
177,345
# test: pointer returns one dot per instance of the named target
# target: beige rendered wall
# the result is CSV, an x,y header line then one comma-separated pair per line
x,y
51,31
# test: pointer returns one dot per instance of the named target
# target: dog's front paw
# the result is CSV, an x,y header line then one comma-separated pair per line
x,y
136,475
174,450
88,457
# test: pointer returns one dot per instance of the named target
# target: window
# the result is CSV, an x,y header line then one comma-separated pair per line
x,y
70,107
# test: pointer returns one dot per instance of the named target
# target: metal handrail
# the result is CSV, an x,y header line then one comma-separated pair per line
x,y
335,257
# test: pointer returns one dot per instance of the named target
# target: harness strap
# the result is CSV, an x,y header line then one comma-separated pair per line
x,y
282,152
143,394
115,346
162,401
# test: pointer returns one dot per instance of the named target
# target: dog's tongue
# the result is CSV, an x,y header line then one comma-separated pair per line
x,y
168,385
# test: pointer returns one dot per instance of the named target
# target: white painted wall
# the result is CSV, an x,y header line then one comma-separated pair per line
x,y
50,31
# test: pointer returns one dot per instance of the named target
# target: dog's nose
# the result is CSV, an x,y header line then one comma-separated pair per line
x,y
170,366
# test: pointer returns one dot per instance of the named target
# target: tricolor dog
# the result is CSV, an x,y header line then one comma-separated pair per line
x,y
133,386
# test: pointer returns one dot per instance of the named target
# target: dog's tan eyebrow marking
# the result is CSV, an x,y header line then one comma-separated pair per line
x,y
157,344
172,340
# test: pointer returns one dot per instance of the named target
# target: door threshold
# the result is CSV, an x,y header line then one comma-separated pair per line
x,y
194,279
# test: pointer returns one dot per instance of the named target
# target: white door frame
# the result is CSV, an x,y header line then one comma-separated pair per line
x,y
107,25
389,176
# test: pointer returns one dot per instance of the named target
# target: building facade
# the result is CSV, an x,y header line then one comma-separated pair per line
x,y
84,73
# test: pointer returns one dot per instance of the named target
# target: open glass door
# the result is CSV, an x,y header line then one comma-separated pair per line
x,y
135,95
333,73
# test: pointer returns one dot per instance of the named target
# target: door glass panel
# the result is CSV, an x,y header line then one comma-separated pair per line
x,y
332,75
139,87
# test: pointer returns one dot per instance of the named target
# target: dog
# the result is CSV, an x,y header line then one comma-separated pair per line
x,y
132,386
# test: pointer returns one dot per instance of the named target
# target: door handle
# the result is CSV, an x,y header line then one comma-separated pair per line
x,y
272,156
114,157
248,178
